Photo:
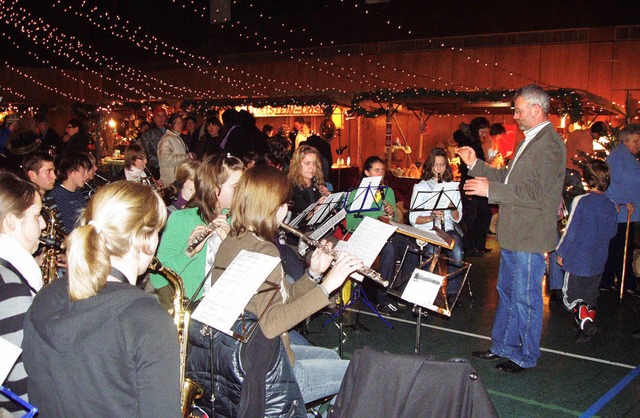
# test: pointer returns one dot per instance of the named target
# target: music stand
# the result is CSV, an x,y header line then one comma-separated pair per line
x,y
31,410
324,209
364,199
442,197
439,239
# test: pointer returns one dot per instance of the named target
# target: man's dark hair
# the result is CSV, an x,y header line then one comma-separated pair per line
x,y
73,162
34,162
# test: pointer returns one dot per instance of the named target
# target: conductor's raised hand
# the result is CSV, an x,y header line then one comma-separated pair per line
x,y
467,154
344,265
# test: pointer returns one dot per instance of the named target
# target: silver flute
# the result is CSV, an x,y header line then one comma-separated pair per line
x,y
365,271
197,240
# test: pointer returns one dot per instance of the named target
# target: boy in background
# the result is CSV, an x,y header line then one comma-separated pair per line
x,y
582,251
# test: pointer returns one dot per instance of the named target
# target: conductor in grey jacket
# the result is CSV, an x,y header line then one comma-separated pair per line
x,y
528,192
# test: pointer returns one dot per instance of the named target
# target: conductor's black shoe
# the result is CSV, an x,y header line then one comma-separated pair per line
x,y
509,366
485,355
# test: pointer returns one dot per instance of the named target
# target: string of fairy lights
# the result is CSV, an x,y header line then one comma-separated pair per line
x,y
150,87
328,67
68,47
123,29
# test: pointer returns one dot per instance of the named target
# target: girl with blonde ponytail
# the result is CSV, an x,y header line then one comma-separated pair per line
x,y
94,329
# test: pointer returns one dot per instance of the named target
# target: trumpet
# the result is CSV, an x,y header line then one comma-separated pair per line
x,y
197,240
366,271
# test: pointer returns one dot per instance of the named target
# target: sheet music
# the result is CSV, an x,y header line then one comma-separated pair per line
x,y
233,290
367,241
428,198
365,194
10,353
422,288
322,230
302,215
326,207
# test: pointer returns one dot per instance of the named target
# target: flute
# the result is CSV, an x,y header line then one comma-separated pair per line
x,y
197,240
366,271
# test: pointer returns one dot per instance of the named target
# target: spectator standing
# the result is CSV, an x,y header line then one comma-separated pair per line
x,y
624,188
151,138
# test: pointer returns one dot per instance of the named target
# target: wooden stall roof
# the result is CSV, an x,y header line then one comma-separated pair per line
x,y
444,102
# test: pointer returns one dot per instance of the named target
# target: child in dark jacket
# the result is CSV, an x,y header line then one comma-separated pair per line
x,y
582,251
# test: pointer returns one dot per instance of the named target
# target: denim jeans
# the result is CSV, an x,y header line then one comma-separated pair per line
x,y
518,323
319,371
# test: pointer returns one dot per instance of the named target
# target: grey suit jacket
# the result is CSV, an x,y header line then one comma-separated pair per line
x,y
529,202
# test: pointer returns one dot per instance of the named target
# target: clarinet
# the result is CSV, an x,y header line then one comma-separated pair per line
x,y
197,240
316,185
442,219
366,271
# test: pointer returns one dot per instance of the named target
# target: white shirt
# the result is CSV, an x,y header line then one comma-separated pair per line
x,y
418,199
529,134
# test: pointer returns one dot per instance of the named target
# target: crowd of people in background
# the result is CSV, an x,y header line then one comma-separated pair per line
x,y
234,183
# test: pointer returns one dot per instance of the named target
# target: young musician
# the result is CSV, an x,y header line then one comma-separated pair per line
x,y
438,170
384,205
94,343
69,199
184,187
135,166
20,276
305,174
40,170
259,207
215,182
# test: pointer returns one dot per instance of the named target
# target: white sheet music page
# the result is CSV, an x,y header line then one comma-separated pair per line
x,y
422,288
365,194
10,353
233,290
367,241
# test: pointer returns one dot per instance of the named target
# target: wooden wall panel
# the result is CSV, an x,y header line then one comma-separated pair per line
x,y
472,69
565,65
517,66
600,69
626,71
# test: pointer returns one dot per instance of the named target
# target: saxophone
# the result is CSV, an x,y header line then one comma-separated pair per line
x,y
190,390
51,238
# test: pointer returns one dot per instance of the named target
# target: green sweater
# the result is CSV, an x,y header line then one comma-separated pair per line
x,y
172,251
353,222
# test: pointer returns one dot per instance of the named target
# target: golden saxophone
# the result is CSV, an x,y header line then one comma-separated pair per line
x,y
190,390
52,238
197,240
365,271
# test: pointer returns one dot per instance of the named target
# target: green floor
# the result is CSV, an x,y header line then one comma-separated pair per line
x,y
569,377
